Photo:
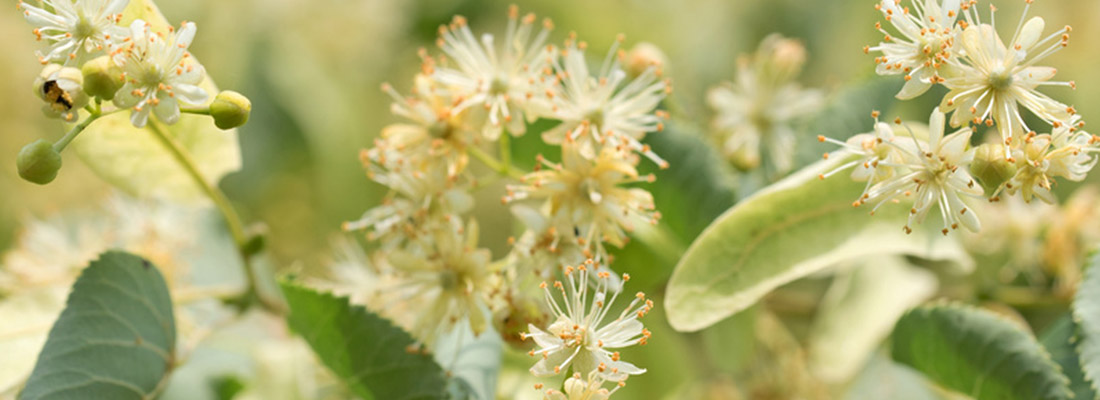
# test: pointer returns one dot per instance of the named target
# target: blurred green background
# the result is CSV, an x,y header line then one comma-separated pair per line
x,y
313,68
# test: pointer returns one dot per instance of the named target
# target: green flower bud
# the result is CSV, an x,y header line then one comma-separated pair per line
x,y
102,78
38,162
991,168
230,110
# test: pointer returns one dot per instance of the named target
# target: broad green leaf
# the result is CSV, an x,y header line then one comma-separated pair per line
x,y
791,229
694,190
367,352
978,354
1086,314
116,338
133,160
872,297
1061,340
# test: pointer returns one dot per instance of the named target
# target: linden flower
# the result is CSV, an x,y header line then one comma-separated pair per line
x,y
421,201
993,80
605,109
75,29
876,151
504,85
580,337
435,134
935,173
927,32
159,73
543,249
587,197
577,388
1064,153
754,114
447,283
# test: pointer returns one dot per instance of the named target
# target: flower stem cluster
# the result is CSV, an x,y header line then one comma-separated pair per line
x,y
990,82
482,89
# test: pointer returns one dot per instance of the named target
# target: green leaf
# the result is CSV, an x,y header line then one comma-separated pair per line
x,y
133,160
977,353
871,296
116,338
366,351
694,190
1061,339
791,229
1086,313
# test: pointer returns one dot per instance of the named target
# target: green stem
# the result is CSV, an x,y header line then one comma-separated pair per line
x,y
197,111
232,219
506,151
68,138
495,165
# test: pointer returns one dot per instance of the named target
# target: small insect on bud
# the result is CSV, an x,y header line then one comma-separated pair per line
x,y
60,88
991,167
38,162
102,78
643,56
230,110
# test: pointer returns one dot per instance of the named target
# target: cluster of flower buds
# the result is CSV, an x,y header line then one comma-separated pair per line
x,y
989,83
95,65
483,89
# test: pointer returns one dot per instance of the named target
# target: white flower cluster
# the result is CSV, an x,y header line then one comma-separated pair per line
x,y
484,89
753,114
141,69
947,42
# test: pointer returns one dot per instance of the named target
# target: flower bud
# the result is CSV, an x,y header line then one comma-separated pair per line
x,y
780,59
230,110
643,56
991,168
745,157
102,78
60,88
38,162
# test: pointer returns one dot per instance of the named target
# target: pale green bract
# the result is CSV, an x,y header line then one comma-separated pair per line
x,y
870,296
116,338
133,160
794,228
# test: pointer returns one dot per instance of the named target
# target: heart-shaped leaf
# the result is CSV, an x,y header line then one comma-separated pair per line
x,y
116,338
